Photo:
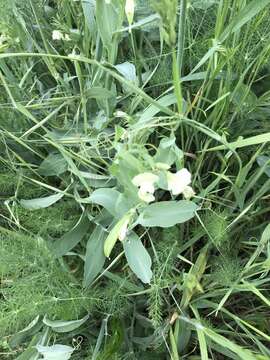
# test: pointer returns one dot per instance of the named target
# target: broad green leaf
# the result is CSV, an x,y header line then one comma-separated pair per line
x,y
64,326
68,241
114,234
168,152
138,258
167,213
41,203
53,165
22,335
107,198
88,7
94,257
108,17
55,352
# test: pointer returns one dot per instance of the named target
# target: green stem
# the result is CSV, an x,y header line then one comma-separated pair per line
x,y
181,34
177,83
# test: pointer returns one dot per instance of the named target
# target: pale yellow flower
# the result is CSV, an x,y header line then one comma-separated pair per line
x,y
179,182
146,184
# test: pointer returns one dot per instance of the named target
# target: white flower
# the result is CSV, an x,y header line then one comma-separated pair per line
x,y
57,35
178,183
146,182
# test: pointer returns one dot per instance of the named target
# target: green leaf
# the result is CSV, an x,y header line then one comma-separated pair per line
x,y
253,140
108,15
88,7
240,351
142,22
41,203
168,152
167,213
64,326
107,198
53,165
138,258
68,241
99,93
94,258
22,335
243,17
153,110
31,353
114,234
55,352
128,70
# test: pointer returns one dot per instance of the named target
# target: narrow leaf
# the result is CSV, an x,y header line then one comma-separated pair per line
x,y
64,326
253,140
244,16
68,241
41,203
30,330
114,234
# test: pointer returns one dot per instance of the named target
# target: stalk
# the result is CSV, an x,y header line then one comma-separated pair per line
x,y
181,34
176,82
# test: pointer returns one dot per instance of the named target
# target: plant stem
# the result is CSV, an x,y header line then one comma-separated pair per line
x,y
177,83
181,34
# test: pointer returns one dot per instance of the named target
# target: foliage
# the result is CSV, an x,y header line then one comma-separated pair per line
x,y
134,184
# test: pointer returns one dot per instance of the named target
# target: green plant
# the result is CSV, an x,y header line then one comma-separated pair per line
x,y
135,179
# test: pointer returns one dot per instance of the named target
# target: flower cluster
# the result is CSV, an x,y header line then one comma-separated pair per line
x,y
177,183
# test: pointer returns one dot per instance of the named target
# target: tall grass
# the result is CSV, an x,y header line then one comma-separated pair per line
x,y
85,111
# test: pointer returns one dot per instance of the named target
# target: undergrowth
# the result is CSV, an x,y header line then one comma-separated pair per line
x,y
134,179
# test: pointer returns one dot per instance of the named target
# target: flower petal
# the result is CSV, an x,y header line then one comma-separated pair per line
x,y
146,177
146,196
177,182
184,176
